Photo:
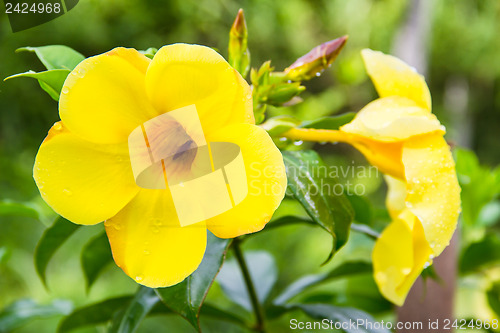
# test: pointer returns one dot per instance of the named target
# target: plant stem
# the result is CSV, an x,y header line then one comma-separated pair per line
x,y
257,308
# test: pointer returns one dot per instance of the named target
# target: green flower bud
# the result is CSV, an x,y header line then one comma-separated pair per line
x,y
239,55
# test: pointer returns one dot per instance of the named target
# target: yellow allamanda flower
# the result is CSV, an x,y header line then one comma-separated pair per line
x,y
399,134
83,167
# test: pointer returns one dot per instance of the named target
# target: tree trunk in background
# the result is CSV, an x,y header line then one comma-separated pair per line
x,y
430,300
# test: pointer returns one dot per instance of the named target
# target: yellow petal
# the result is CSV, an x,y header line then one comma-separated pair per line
x,y
399,256
386,156
393,119
266,180
82,181
393,77
104,97
433,190
396,196
182,75
148,243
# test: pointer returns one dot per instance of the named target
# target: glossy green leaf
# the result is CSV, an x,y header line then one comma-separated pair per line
x,y
93,314
481,254
128,319
321,196
56,56
263,272
51,240
186,298
493,296
51,81
96,255
331,123
18,209
344,270
343,315
26,310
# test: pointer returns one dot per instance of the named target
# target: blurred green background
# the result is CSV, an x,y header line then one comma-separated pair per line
x,y
459,50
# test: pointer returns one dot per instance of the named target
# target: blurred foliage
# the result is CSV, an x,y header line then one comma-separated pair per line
x,y
464,45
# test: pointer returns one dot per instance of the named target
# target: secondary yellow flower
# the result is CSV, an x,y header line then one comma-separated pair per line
x,y
83,167
399,134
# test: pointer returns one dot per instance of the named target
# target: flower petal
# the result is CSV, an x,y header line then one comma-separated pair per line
x,y
266,180
104,97
399,256
433,190
182,75
82,181
393,119
149,244
393,77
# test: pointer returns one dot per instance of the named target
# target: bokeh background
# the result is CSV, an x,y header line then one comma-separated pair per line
x,y
455,43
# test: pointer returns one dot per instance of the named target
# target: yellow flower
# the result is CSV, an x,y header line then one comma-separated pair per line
x,y
83,167
399,134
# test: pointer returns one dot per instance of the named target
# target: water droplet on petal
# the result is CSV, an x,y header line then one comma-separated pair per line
x,y
67,192
139,278
65,90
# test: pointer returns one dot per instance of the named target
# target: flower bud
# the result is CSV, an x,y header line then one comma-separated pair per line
x,y
315,61
239,55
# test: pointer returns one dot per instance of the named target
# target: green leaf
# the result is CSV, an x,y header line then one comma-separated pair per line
x,y
56,56
209,310
51,240
483,253
493,296
26,310
263,272
279,125
150,53
51,81
321,196
345,269
186,298
343,315
363,211
18,209
129,319
331,123
96,255
92,315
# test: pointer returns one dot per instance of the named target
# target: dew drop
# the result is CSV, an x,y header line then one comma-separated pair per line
x,y
65,90
298,143
67,192
139,278
57,126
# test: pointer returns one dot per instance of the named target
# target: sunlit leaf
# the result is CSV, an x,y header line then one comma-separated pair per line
x,y
96,255
26,310
186,298
263,272
331,123
51,240
51,81
56,56
321,196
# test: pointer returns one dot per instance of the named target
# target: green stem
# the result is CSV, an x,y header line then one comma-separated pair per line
x,y
257,308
